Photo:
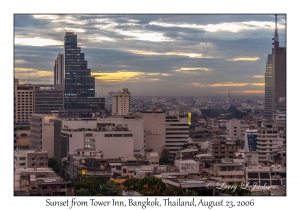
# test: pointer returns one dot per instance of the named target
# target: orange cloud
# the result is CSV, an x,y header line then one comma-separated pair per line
x,y
244,59
231,84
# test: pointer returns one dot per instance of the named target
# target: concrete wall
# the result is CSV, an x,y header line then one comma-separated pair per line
x,y
155,128
112,147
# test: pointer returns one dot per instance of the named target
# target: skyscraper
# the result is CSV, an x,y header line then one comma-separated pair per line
x,y
275,76
59,70
79,84
121,102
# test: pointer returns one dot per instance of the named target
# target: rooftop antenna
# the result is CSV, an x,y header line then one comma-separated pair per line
x,y
276,39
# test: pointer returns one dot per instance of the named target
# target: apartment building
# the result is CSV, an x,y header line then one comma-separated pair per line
x,y
267,141
177,133
30,159
36,99
121,102
22,138
42,133
225,148
231,173
24,102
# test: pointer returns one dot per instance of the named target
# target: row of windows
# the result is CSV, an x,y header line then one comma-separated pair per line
x,y
118,135
177,133
167,125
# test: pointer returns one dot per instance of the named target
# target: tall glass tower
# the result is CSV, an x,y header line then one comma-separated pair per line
x,y
79,84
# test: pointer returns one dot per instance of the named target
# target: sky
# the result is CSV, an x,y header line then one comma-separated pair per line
x,y
153,55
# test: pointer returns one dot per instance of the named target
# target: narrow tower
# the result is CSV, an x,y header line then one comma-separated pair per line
x,y
276,39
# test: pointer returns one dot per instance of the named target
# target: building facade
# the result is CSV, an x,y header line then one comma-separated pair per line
x,y
42,133
155,129
59,70
79,84
267,141
24,102
121,102
62,142
275,76
177,133
48,98
250,140
36,99
30,159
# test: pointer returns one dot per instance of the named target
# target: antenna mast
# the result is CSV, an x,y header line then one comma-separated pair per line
x,y
276,39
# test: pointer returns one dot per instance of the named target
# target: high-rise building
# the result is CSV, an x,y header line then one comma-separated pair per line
x,y
121,102
267,141
35,98
24,102
79,84
59,70
42,133
275,76
48,98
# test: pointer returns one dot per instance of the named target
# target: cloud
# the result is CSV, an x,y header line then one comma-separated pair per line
x,y
118,76
193,69
231,84
194,44
174,53
36,41
258,76
244,59
198,84
233,27
21,61
228,84
242,92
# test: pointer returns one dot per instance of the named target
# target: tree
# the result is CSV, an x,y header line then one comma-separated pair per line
x,y
110,189
167,158
237,191
52,163
92,184
232,109
130,184
148,186
178,191
191,145
82,192
237,115
190,193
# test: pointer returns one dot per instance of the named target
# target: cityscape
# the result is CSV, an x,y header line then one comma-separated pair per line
x,y
150,105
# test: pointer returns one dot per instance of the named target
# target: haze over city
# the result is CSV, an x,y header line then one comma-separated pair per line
x,y
153,55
